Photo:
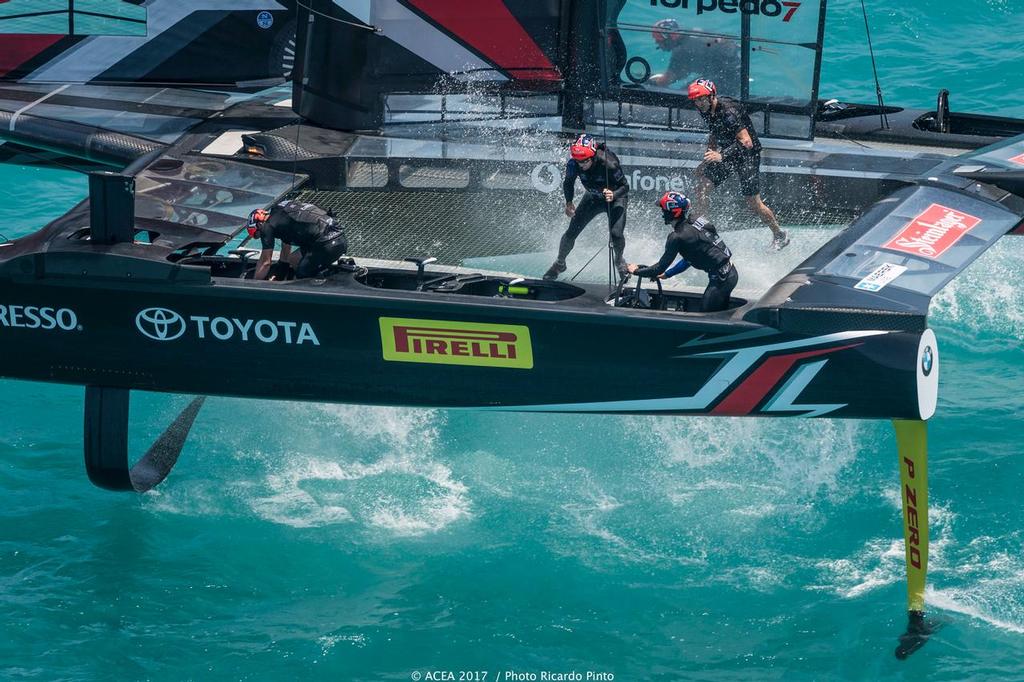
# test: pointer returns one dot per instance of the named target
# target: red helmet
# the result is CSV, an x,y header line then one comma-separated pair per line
x,y
583,148
665,30
702,87
673,206
256,218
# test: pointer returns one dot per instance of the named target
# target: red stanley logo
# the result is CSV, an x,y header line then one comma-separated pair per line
x,y
456,343
931,233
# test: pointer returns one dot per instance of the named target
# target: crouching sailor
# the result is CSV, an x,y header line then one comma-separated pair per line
x,y
317,235
699,244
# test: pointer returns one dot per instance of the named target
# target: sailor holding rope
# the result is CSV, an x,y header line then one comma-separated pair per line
x,y
599,171
733,147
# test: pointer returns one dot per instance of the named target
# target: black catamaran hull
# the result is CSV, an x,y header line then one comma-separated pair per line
x,y
354,343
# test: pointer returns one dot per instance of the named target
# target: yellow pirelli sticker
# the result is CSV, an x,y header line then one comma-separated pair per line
x,y
456,343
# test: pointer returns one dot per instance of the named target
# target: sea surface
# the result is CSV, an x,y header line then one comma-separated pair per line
x,y
299,541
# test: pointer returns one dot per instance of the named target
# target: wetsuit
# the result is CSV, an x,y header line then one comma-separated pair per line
x,y
728,119
604,172
696,56
318,236
700,245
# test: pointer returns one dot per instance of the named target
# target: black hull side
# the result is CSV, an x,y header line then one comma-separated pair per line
x,y
294,342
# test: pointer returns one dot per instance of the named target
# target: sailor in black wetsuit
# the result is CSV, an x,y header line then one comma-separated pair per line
x,y
732,147
318,236
698,242
693,52
606,193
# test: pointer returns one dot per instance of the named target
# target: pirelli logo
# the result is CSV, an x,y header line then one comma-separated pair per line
x,y
456,343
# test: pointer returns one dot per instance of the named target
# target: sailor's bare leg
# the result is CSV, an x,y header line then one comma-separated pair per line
x,y
700,195
779,238
764,213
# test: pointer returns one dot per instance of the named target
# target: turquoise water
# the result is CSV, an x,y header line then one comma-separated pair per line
x,y
353,543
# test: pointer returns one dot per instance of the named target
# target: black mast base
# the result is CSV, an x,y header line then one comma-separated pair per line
x,y
918,632
106,442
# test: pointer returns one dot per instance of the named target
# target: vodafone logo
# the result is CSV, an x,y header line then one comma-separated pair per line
x,y
546,177
932,232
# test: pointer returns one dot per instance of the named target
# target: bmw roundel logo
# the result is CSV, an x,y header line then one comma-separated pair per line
x,y
160,324
264,19
927,360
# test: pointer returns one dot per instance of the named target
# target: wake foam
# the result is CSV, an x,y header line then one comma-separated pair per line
x,y
370,469
744,454
982,607
986,298
880,561
382,478
671,491
990,580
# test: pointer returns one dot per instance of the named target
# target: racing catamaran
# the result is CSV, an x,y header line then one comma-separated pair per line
x,y
441,106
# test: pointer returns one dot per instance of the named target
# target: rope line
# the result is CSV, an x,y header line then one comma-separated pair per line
x,y
878,88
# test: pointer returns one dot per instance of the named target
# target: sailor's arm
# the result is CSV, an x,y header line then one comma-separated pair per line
x,y
711,154
617,178
674,70
611,195
660,266
743,137
734,153
663,80
263,264
568,183
680,266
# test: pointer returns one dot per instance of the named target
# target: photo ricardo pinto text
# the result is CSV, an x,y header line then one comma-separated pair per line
x,y
456,343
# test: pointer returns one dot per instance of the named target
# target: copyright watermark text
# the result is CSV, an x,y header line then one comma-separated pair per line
x,y
511,676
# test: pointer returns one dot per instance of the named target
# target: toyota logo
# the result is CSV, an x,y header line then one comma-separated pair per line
x,y
160,324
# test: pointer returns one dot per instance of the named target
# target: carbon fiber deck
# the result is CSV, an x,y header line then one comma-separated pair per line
x,y
450,226
455,225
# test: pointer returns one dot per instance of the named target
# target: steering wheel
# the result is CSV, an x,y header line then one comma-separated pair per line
x,y
635,303
661,294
